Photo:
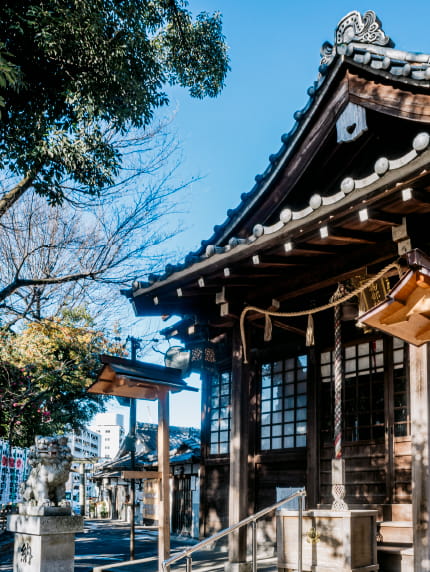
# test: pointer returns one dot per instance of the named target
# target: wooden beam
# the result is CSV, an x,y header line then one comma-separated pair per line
x,y
388,99
310,250
420,196
347,235
389,219
140,475
281,261
279,325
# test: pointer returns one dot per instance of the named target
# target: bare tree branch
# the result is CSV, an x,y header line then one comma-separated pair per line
x,y
16,192
80,253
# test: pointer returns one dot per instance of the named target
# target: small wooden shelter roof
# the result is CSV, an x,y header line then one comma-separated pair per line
x,y
135,379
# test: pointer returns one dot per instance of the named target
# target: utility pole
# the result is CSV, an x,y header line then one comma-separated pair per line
x,y
82,491
135,345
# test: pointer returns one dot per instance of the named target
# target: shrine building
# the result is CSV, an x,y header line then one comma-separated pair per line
x,y
307,312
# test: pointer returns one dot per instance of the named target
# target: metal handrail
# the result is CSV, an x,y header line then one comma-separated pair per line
x,y
248,520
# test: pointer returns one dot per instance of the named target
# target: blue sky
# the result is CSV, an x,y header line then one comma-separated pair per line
x,y
275,54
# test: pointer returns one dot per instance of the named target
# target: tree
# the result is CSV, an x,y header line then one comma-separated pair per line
x,y
9,74
44,374
65,256
90,70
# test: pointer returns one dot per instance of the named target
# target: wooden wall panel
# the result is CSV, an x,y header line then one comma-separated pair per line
x,y
214,497
270,475
365,473
402,471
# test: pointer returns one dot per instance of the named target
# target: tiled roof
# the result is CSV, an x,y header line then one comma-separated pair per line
x,y
360,41
184,445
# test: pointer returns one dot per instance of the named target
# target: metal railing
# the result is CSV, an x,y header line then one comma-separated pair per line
x,y
187,553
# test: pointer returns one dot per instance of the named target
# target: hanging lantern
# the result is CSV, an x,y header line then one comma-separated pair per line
x,y
202,355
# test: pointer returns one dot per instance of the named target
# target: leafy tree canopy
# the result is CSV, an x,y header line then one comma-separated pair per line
x,y
44,374
89,70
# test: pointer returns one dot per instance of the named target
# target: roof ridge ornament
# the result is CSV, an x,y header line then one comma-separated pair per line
x,y
366,30
355,28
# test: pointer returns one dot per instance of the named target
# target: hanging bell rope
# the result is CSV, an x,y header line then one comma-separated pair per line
x,y
334,301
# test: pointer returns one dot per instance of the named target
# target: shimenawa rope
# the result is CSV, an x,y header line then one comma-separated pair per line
x,y
310,311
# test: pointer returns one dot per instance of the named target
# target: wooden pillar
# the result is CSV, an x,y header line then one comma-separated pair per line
x,y
419,399
205,449
239,445
163,467
313,436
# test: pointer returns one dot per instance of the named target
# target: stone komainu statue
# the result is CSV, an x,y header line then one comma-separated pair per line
x,y
50,459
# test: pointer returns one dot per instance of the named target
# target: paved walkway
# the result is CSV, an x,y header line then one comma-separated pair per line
x,y
104,544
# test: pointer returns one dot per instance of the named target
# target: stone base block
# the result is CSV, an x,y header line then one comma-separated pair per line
x,y
331,541
238,567
49,553
41,525
44,543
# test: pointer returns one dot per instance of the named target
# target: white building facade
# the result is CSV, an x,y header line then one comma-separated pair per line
x,y
84,444
110,426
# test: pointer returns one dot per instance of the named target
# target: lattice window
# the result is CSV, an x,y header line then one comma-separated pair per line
x,y
284,404
364,391
363,396
220,413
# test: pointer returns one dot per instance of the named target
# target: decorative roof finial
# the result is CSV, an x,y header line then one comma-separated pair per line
x,y
355,28
365,30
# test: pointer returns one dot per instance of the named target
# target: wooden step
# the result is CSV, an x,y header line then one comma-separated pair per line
x,y
393,558
398,511
395,532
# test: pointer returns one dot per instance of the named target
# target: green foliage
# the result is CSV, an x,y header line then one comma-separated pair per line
x,y
44,374
9,74
90,69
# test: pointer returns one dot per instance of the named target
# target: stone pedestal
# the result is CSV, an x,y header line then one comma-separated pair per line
x,y
343,541
238,567
44,539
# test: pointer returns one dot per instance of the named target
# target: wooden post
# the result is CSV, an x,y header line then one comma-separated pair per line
x,y
419,394
239,444
133,406
205,448
163,467
135,345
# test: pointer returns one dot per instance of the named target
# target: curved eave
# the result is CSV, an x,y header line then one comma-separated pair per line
x,y
322,211
406,70
398,73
